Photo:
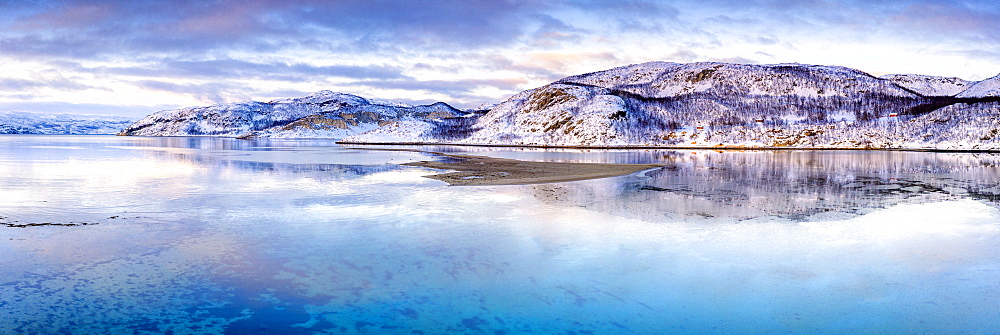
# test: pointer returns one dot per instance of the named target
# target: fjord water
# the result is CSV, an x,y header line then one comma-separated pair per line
x,y
211,235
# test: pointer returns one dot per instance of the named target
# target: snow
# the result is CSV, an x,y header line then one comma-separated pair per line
x,y
986,88
313,132
930,86
323,114
738,106
322,97
62,124
662,79
661,104
400,132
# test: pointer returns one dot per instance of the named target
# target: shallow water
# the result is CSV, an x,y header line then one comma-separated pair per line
x,y
208,235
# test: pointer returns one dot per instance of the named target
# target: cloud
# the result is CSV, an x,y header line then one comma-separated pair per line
x,y
107,28
221,50
764,54
45,79
631,16
562,62
442,23
239,69
453,87
214,92
504,63
83,108
850,17
683,56
950,18
14,84
554,32
735,60
461,93
91,28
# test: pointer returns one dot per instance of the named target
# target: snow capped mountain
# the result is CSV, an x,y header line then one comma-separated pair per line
x,y
655,104
930,86
716,105
324,96
324,114
986,88
664,79
60,124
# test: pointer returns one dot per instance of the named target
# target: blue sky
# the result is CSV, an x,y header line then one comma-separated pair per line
x,y
136,57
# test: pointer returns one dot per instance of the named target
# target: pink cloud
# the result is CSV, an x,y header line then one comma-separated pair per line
x,y
230,19
71,15
946,19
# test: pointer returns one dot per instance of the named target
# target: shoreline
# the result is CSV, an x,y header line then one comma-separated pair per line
x,y
637,147
609,147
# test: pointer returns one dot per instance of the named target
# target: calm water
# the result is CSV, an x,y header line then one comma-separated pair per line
x,y
207,235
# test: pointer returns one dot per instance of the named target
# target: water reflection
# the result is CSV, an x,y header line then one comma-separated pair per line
x,y
221,235
77,180
794,184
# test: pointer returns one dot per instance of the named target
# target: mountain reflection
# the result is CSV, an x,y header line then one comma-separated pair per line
x,y
790,184
223,143
322,172
272,156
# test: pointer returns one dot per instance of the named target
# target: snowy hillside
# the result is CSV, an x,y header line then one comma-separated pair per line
x,y
665,80
324,114
716,105
60,124
930,86
986,88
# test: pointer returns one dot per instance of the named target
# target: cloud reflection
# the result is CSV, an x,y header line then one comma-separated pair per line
x,y
234,247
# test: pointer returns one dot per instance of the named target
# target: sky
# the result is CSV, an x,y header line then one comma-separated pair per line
x,y
133,58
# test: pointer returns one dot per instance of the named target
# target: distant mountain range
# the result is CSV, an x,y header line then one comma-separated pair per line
x,y
324,114
655,104
60,124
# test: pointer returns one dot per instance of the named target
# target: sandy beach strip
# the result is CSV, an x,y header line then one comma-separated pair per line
x,y
481,170
471,170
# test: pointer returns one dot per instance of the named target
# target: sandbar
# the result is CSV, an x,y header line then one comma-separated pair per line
x,y
481,171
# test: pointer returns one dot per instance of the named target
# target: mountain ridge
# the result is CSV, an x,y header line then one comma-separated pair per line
x,y
324,114
663,104
989,87
60,124
652,104
930,86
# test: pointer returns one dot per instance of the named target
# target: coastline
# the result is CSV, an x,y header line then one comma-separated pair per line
x,y
643,147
